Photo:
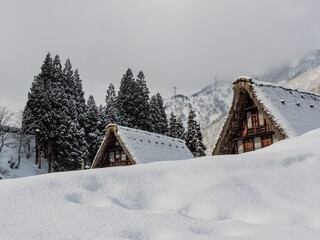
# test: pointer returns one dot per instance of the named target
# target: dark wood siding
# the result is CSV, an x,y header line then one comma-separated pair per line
x,y
114,155
253,131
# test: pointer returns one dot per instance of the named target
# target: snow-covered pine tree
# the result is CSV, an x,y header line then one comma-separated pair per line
x,y
200,147
142,110
180,131
56,113
60,117
126,100
92,129
158,115
175,127
79,98
102,122
172,131
72,142
111,110
51,107
194,136
37,110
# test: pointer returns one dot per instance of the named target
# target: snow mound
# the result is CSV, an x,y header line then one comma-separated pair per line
x,y
272,193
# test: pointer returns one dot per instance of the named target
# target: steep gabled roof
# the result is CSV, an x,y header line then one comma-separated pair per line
x,y
144,147
291,112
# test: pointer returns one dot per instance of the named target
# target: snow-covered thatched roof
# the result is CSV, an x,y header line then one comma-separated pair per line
x,y
295,111
144,147
290,112
150,147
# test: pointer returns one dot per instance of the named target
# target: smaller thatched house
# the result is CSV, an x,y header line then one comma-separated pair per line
x,y
262,113
127,146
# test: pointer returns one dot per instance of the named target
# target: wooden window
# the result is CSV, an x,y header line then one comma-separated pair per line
x,y
261,119
275,138
249,119
268,127
123,156
240,146
248,145
111,156
257,142
266,141
117,155
255,121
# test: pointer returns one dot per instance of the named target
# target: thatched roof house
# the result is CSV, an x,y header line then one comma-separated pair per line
x,y
262,113
127,146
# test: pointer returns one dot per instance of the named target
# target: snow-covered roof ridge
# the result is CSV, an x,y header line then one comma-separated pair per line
x,y
146,133
261,83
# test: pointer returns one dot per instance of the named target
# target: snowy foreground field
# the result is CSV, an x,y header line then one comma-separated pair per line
x,y
273,193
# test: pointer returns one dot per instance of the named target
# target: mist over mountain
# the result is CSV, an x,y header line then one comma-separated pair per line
x,y
291,70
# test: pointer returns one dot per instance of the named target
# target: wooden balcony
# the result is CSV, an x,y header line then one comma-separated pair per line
x,y
254,131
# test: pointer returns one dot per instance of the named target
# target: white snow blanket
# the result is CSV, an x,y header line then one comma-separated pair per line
x,y
272,193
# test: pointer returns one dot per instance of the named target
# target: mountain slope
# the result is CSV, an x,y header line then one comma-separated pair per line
x,y
211,133
272,193
309,80
209,103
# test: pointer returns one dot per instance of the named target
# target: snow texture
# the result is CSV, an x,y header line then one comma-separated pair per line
x,y
295,111
148,147
268,194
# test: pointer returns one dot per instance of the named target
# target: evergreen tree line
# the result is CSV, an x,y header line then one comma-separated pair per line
x,y
192,136
68,129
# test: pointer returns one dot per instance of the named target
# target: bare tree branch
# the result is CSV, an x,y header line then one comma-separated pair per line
x,y
5,119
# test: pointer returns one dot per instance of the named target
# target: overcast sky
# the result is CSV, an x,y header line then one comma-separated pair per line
x,y
182,43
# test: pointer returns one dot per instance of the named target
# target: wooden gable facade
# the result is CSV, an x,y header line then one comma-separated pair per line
x,y
112,153
248,126
251,130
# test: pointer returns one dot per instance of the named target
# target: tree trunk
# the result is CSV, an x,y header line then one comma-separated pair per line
x,y
37,152
39,158
28,148
19,151
49,157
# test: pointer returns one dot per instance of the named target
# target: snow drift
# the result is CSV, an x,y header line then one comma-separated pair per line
x,y
272,193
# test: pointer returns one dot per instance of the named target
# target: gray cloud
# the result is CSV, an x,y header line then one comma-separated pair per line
x,y
181,43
